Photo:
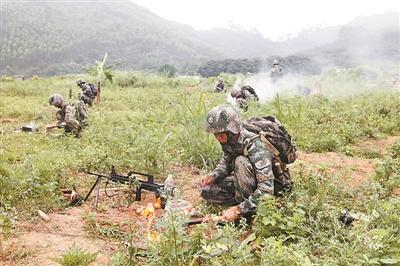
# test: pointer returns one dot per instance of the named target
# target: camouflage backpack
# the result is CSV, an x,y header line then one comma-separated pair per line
x,y
274,136
251,90
94,89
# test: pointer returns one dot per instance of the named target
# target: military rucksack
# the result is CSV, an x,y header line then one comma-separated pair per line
x,y
274,136
249,89
94,89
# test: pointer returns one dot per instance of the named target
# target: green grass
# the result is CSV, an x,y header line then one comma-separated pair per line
x,y
150,123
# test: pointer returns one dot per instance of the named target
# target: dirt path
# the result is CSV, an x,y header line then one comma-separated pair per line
x,y
39,242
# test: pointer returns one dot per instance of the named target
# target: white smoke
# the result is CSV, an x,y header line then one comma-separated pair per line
x,y
236,86
266,89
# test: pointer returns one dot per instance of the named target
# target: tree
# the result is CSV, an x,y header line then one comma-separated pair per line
x,y
167,70
101,71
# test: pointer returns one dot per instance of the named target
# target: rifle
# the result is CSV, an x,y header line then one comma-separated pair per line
x,y
132,180
202,220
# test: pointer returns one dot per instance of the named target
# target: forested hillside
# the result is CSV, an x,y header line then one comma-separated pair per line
x,y
365,40
49,38
58,37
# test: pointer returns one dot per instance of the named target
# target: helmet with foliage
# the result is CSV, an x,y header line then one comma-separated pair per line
x,y
223,118
56,100
79,82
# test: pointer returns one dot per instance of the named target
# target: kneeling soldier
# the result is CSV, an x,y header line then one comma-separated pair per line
x,y
246,169
70,116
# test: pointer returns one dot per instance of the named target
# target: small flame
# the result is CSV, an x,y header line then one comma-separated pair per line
x,y
149,212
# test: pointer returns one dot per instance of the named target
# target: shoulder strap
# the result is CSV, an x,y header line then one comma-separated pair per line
x,y
268,145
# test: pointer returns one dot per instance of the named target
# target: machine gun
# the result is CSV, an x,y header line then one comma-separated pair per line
x,y
132,180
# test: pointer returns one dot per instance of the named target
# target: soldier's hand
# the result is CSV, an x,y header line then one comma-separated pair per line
x,y
230,214
206,180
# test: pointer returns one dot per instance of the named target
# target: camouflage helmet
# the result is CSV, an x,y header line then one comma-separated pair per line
x,y
56,99
276,62
234,93
223,118
79,82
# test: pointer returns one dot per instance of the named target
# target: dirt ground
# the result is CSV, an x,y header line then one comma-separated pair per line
x,y
38,242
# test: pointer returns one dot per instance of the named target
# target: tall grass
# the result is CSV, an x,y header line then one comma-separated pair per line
x,y
150,123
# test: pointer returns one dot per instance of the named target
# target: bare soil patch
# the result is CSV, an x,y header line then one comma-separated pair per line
x,y
380,146
43,241
9,120
353,170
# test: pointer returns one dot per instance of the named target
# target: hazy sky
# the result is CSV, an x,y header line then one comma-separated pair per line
x,y
274,19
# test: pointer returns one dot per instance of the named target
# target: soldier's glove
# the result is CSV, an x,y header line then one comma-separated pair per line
x,y
231,214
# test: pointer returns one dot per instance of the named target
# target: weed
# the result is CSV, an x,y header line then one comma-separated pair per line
x,y
103,229
74,256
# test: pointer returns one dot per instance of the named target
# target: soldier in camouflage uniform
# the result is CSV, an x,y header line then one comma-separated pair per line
x,y
89,92
220,87
243,96
245,171
276,71
70,116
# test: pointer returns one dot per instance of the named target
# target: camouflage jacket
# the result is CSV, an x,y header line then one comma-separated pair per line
x,y
260,158
246,94
220,87
72,113
88,91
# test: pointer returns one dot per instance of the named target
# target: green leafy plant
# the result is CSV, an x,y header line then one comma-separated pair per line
x,y
74,256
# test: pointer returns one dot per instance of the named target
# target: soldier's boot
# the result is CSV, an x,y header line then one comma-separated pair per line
x,y
222,193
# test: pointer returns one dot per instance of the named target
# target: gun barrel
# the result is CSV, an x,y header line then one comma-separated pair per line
x,y
196,221
149,186
129,179
96,174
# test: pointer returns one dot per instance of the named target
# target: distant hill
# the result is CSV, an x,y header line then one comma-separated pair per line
x,y
48,38
386,21
365,40
61,37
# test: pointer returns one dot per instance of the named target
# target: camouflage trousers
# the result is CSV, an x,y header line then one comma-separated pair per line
x,y
87,100
233,190
73,126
